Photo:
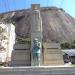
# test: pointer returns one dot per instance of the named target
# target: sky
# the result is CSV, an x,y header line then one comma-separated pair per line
x,y
11,5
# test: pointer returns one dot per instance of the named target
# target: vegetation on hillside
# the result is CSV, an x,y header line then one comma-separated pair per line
x,y
23,40
68,45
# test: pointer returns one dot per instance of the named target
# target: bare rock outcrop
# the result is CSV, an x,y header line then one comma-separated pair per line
x,y
58,26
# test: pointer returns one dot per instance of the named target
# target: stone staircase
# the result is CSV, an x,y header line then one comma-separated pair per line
x,y
37,71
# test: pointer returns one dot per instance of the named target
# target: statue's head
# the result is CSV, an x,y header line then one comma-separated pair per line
x,y
35,40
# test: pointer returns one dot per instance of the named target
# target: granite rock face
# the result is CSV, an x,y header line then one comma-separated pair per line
x,y
58,26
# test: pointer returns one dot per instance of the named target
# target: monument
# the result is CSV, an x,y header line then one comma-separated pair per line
x,y
51,54
36,35
37,52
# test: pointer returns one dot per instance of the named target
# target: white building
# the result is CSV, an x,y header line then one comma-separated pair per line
x,y
5,55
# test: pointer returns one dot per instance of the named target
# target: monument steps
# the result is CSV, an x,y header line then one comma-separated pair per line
x,y
37,71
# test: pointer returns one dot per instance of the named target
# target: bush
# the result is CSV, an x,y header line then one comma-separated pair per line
x,y
68,45
73,46
23,41
65,45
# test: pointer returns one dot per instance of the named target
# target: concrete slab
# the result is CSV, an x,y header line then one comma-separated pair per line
x,y
37,70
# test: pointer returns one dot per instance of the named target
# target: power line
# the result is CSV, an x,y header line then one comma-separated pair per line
x,y
25,3
8,6
14,3
48,2
5,5
1,3
61,4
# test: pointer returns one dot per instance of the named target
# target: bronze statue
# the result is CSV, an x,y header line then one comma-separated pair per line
x,y
36,52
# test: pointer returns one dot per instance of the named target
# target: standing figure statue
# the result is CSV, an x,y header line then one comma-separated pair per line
x,y
36,52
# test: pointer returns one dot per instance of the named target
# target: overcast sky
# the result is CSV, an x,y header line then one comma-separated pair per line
x,y
10,5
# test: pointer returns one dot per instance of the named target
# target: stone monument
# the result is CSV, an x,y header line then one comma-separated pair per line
x,y
36,34
36,53
52,54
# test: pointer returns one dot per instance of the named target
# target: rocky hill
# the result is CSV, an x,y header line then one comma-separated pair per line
x,y
58,26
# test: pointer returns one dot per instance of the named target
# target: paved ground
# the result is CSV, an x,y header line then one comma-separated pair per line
x,y
37,71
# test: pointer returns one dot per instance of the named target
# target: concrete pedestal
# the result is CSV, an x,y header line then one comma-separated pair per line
x,y
21,56
52,55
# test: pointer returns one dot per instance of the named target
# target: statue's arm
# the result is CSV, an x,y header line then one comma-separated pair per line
x,y
39,45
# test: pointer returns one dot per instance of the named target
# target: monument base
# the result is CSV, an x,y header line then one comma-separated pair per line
x,y
37,71
21,55
52,54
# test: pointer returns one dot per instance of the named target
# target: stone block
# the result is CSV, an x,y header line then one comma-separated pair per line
x,y
52,55
20,58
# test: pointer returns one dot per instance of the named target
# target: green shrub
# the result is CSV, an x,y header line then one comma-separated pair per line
x,y
65,45
23,40
68,45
